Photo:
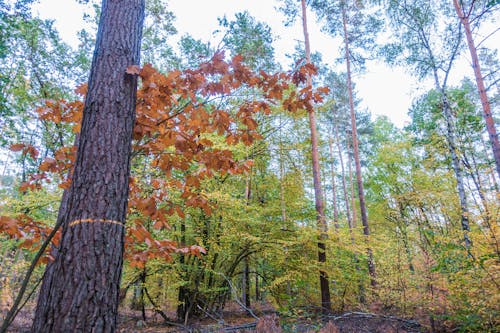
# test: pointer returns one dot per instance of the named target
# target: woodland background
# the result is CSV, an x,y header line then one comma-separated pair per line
x,y
238,222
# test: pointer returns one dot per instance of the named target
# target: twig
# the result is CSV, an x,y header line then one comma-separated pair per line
x,y
240,327
218,320
156,308
485,38
413,323
28,298
236,297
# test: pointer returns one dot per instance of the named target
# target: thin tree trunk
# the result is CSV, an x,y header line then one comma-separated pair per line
x,y
257,288
248,188
246,283
246,265
282,184
404,233
492,179
361,194
488,118
486,213
137,298
450,131
143,288
334,187
354,216
352,223
457,168
184,294
344,182
318,192
283,214
80,290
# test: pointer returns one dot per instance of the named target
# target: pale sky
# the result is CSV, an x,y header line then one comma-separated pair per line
x,y
384,90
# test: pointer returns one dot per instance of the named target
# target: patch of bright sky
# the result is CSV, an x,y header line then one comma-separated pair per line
x,y
384,90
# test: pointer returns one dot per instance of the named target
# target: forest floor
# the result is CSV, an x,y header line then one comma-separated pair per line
x,y
234,319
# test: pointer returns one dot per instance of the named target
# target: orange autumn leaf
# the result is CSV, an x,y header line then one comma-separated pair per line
x,y
133,70
82,89
17,146
31,151
48,164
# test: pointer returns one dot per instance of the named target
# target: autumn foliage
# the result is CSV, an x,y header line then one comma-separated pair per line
x,y
181,116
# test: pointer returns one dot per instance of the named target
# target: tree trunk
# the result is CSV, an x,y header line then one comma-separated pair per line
x,y
492,179
352,221
80,290
246,283
257,289
246,265
282,183
184,295
184,299
486,213
138,303
334,187
490,122
137,298
361,194
403,227
354,215
318,192
344,182
457,167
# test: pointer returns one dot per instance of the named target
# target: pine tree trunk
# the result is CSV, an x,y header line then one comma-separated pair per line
x,y
80,290
352,221
361,194
354,218
490,122
318,192
344,182
334,187
354,215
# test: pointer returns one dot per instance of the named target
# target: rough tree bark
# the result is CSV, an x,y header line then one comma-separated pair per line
x,y
361,194
488,118
80,290
318,192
